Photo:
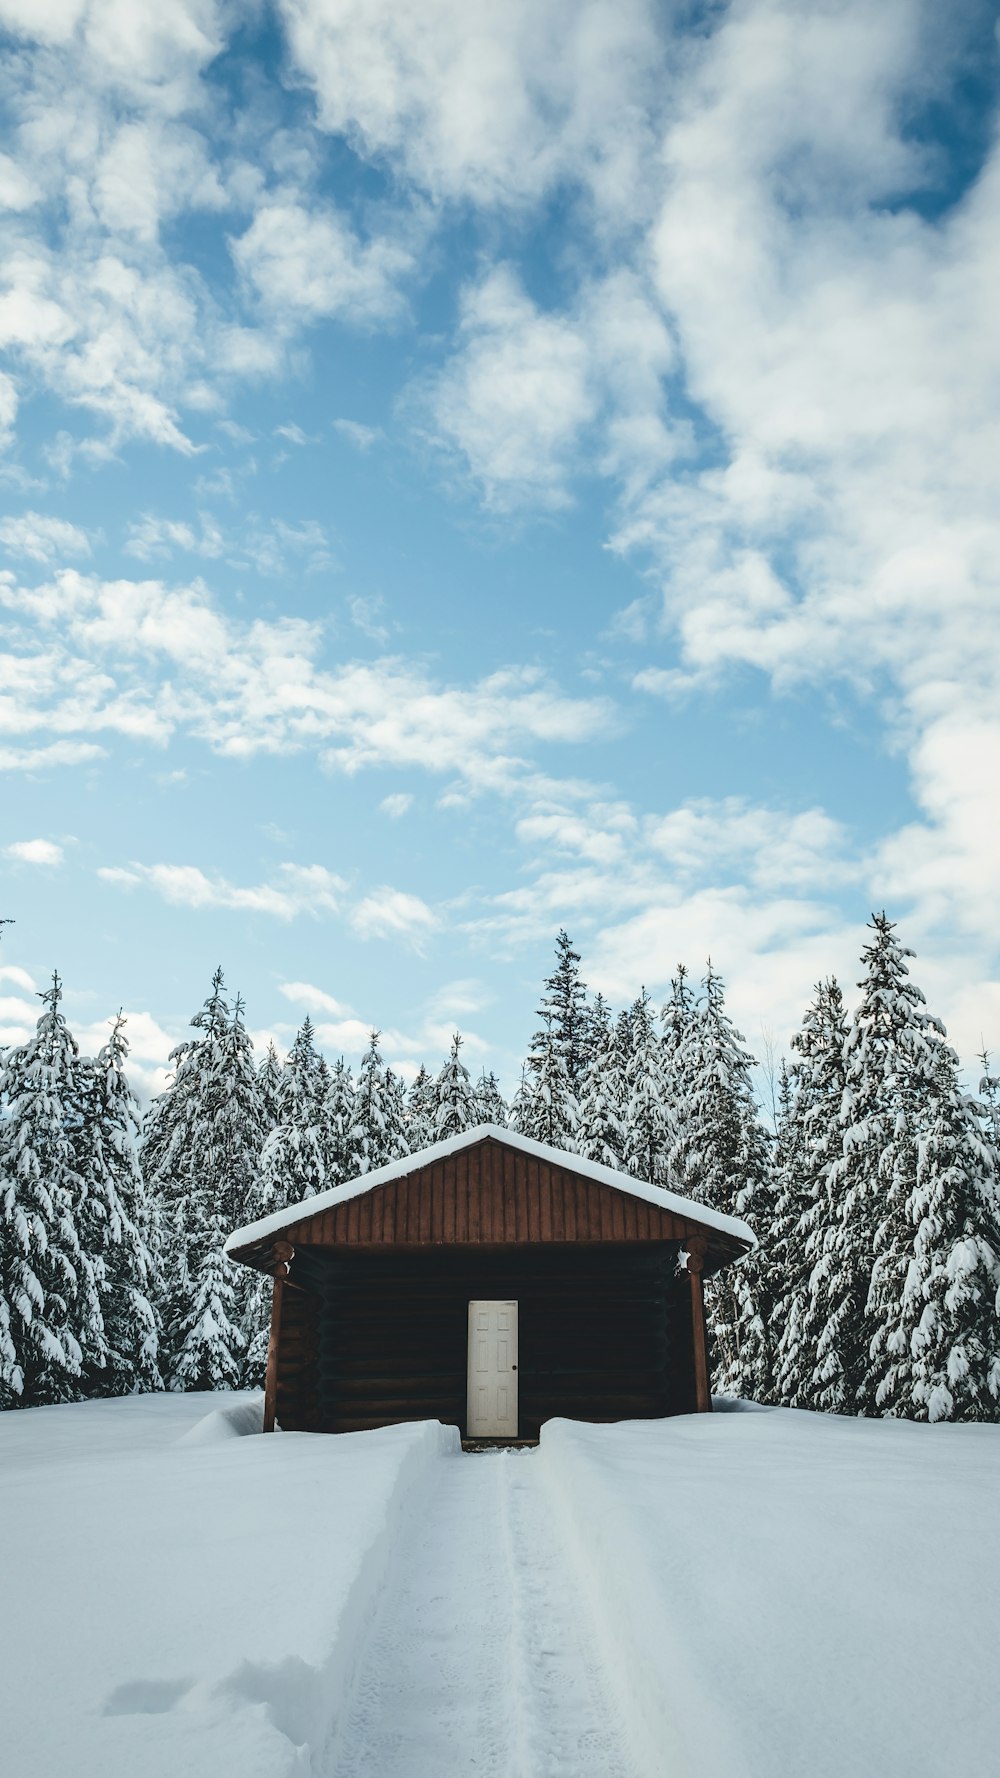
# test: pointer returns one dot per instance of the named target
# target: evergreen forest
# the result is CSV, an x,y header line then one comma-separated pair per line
x,y
873,1184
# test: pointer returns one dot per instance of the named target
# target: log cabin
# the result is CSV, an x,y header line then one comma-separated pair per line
x,y
491,1283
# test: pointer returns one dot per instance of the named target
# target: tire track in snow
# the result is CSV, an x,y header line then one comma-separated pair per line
x,y
479,1660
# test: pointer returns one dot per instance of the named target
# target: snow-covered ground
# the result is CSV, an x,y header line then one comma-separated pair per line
x,y
753,1595
177,1599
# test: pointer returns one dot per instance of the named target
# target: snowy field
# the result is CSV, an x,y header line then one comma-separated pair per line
x,y
761,1594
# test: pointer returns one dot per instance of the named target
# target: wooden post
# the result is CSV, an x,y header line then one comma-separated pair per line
x,y
702,1383
271,1378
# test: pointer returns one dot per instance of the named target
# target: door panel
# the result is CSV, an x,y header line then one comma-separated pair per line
x,y
492,1394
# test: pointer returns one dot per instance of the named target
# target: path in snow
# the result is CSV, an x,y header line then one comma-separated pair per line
x,y
480,1660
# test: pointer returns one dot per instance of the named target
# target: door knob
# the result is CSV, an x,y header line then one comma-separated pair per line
x,y
513,1367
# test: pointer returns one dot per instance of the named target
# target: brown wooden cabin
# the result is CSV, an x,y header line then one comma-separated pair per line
x,y
491,1283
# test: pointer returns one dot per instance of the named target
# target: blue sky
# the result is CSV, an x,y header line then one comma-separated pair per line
x,y
472,469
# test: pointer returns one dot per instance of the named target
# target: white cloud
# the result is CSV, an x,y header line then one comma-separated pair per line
x,y
394,913
150,537
264,546
367,615
495,105
296,889
360,436
43,538
314,999
397,804
57,753
146,660
8,409
11,972
428,1039
17,190
529,397
35,852
515,398
308,264
293,433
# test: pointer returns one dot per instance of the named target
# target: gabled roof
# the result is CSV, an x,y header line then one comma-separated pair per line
x,y
707,1218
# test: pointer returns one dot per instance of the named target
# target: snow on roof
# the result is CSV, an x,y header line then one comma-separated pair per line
x,y
366,1182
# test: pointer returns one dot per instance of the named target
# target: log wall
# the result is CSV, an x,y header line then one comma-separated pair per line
x,y
372,1338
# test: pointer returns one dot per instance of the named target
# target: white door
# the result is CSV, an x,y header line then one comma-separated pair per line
x,y
492,1404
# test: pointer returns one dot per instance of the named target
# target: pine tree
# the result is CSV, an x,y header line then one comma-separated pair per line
x,y
380,1111
679,1015
421,1111
545,1107
989,1097
341,1136
241,1125
891,1056
455,1099
200,1159
647,1125
808,1200
491,1106
721,1157
52,1315
951,1297
305,1066
209,1335
563,1012
597,1029
269,1087
600,1133
118,1231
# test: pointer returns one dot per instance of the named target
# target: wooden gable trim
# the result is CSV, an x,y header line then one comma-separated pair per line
x,y
489,1194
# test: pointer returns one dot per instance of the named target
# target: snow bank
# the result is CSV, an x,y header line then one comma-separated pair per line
x,y
237,1420
783,1593
190,1603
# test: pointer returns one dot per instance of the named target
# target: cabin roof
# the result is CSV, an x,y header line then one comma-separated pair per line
x,y
620,1182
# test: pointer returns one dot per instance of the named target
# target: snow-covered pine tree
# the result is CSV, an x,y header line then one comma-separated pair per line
x,y
721,1156
989,1111
623,1038
951,1297
200,1159
380,1110
454,1095
892,1052
600,1133
678,1017
296,1150
209,1335
292,1166
296,1161
421,1111
647,1125
305,1065
808,1204
118,1229
545,1108
563,1012
520,1111
242,1125
784,1253
47,1281
293,1161
597,1028
491,1106
269,1087
339,1123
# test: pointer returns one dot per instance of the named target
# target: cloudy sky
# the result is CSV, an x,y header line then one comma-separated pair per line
x,y
471,468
